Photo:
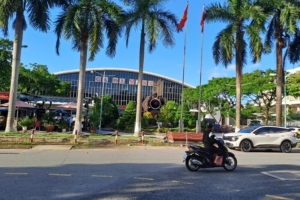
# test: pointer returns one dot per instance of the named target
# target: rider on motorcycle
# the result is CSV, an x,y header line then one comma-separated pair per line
x,y
209,141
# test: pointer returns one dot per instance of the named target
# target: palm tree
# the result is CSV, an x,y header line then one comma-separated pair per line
x,y
231,41
154,21
38,13
282,26
85,22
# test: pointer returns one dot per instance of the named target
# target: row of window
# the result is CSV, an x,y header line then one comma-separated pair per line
x,y
122,86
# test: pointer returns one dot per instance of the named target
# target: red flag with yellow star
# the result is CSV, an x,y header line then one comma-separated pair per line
x,y
183,19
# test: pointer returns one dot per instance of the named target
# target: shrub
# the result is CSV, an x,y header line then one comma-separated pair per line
x,y
26,122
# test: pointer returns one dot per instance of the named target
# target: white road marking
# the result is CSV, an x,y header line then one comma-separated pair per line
x,y
16,174
282,175
277,197
149,179
102,176
59,174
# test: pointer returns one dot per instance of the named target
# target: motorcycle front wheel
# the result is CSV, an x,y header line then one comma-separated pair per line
x,y
190,165
230,163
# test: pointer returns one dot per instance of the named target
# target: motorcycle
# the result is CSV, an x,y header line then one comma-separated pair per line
x,y
298,134
198,157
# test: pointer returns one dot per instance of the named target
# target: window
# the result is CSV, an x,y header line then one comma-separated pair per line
x,y
262,130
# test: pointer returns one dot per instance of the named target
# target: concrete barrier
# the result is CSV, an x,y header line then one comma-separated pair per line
x,y
183,136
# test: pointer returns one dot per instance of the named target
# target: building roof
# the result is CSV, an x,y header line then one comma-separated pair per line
x,y
124,70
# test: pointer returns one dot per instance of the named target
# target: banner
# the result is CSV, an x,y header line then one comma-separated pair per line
x,y
115,80
122,81
131,81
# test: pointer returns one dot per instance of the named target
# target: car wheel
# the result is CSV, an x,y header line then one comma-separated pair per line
x,y
246,146
286,147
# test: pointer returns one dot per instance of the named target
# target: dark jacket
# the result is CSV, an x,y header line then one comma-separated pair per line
x,y
208,143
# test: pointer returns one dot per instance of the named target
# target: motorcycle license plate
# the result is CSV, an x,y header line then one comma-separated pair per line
x,y
184,157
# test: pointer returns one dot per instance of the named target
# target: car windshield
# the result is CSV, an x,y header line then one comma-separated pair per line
x,y
247,130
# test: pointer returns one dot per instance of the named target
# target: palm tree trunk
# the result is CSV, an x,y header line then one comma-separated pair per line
x,y
238,97
137,127
81,84
15,72
279,79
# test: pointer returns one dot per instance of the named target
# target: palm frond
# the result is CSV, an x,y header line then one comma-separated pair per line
x,y
39,14
223,48
256,44
293,52
270,35
216,12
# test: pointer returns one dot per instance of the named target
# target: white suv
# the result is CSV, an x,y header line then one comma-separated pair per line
x,y
266,137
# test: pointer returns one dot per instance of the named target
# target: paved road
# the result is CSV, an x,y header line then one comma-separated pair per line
x,y
143,173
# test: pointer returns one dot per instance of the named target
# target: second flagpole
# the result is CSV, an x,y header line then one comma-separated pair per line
x,y
200,79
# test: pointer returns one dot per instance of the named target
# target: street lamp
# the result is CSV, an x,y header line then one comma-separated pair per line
x,y
285,77
101,104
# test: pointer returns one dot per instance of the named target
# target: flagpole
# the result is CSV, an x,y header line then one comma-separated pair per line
x,y
200,79
199,99
182,85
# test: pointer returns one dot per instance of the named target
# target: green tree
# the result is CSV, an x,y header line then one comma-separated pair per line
x,y
110,112
154,22
128,116
261,92
293,85
38,12
231,42
284,16
5,63
217,95
168,112
36,79
85,22
189,119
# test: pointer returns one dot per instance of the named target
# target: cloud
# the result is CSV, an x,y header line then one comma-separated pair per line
x,y
253,66
231,67
220,72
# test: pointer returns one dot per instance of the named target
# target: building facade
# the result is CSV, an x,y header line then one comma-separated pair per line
x,y
121,84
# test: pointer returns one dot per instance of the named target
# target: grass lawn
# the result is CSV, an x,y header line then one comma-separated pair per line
x,y
67,135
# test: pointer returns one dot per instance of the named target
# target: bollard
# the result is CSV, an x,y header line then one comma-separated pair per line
x,y
143,133
186,138
116,141
75,137
31,136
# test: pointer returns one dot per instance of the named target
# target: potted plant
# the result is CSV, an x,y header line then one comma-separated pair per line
x,y
49,121
63,125
25,123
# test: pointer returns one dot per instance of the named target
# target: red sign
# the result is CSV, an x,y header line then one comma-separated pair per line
x,y
4,95
144,83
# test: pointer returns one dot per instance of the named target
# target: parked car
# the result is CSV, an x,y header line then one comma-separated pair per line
x,y
2,121
265,137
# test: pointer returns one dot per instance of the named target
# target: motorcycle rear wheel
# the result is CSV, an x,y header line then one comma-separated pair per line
x,y
190,166
230,163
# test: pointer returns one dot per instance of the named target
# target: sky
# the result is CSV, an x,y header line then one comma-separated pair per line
x,y
164,61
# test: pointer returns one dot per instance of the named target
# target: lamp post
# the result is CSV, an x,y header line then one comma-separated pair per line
x,y
102,92
285,77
